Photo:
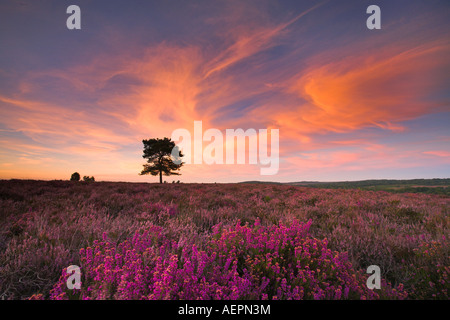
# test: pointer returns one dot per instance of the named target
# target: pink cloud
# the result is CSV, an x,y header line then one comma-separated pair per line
x,y
440,153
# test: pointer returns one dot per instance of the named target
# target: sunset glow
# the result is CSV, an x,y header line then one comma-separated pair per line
x,y
349,103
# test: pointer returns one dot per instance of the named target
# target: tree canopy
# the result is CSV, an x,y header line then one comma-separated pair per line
x,y
160,158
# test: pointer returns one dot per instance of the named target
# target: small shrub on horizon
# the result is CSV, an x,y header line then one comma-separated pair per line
x,y
75,177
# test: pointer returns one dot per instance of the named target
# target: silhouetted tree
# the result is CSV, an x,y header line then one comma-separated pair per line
x,y
160,160
89,179
75,177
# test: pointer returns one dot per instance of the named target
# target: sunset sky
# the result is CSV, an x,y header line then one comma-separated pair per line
x,y
350,103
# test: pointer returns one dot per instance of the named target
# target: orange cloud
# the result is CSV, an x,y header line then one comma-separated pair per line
x,y
53,124
378,90
247,44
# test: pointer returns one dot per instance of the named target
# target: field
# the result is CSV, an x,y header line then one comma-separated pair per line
x,y
220,241
427,186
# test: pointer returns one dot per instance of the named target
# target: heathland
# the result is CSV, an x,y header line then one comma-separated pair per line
x,y
220,241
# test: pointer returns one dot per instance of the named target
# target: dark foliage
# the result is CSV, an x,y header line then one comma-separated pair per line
x,y
160,160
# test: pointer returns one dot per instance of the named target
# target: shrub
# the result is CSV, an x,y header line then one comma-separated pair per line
x,y
241,262
75,177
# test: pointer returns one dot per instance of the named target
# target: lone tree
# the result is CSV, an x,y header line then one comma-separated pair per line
x,y
160,158
75,177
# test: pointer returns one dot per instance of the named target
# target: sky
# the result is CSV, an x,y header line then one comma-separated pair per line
x,y
349,103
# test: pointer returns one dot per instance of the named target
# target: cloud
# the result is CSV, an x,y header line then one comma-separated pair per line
x,y
247,44
439,153
376,90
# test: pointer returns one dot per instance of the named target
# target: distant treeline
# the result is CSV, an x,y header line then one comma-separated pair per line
x,y
382,182
429,186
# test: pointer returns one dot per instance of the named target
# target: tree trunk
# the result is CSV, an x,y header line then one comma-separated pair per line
x,y
160,176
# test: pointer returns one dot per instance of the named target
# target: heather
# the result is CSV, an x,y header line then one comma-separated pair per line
x,y
219,241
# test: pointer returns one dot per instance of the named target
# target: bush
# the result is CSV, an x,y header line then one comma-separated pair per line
x,y
241,262
75,177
